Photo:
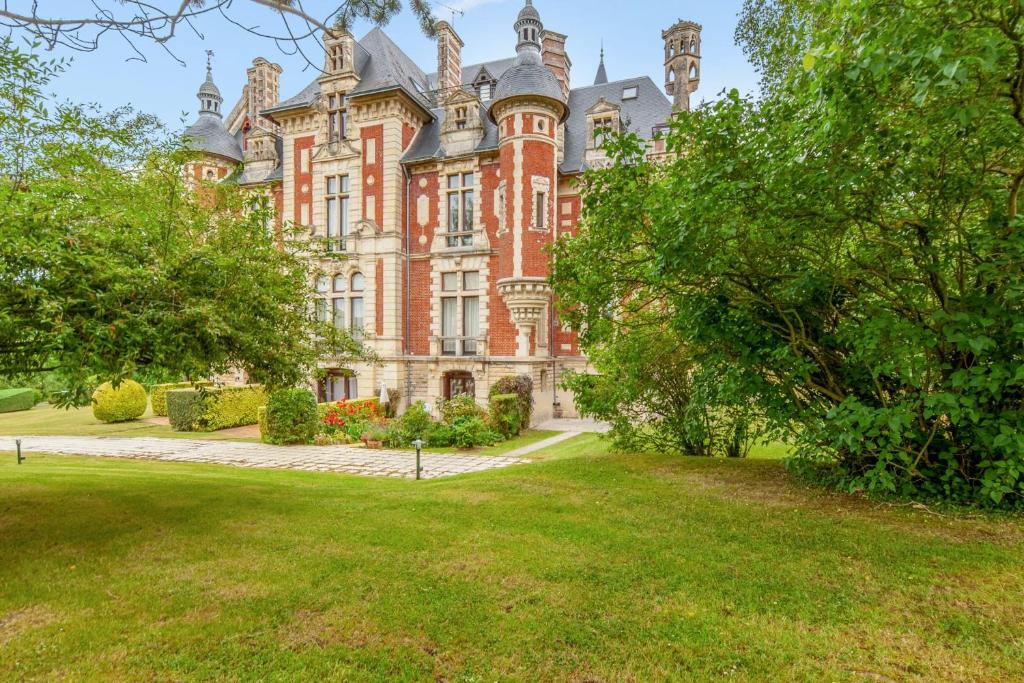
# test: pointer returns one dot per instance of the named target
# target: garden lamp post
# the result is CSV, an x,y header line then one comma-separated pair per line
x,y
21,458
418,445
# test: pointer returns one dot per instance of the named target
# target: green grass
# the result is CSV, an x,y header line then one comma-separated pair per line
x,y
527,438
45,420
587,567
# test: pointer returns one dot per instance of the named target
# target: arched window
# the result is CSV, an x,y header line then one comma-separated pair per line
x,y
355,305
358,282
693,46
339,283
693,71
671,49
671,76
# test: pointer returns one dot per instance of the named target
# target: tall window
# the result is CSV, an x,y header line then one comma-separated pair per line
x,y
358,285
540,211
337,57
460,295
603,127
337,117
460,210
339,303
336,198
320,303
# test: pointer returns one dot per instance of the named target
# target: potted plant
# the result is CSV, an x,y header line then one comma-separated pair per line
x,y
375,437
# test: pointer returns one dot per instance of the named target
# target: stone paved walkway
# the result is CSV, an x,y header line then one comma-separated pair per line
x,y
345,459
541,445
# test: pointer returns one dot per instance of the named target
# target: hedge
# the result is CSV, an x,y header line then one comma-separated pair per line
x,y
521,386
158,395
292,417
12,400
505,414
124,403
209,410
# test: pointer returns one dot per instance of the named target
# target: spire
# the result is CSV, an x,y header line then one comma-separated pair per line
x,y
602,75
209,95
529,29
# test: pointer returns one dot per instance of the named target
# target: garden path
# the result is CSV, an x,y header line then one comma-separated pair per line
x,y
346,459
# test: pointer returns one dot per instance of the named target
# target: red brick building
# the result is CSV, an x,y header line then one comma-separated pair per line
x,y
437,195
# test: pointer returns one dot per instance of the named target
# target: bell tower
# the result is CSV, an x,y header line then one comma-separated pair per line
x,y
682,62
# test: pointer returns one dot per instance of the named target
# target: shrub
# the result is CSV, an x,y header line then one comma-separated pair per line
x,y
158,395
470,432
458,408
12,400
292,417
522,387
352,418
439,436
233,407
261,420
124,403
185,408
505,415
415,423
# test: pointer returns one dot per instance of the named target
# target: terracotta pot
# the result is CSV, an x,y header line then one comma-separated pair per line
x,y
375,444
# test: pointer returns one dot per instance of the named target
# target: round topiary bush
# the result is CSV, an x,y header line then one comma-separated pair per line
x,y
125,403
292,417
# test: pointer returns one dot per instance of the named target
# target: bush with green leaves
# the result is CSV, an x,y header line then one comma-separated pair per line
x,y
292,417
123,403
846,251
459,407
505,415
415,423
211,409
185,408
522,387
472,432
12,400
157,395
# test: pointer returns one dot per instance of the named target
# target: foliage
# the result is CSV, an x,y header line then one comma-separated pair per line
x,y
351,418
292,417
12,400
415,423
208,409
472,431
459,407
847,250
185,408
522,387
505,416
229,407
261,420
157,395
123,403
106,273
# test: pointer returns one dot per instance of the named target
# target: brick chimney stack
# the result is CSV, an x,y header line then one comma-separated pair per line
x,y
556,58
449,57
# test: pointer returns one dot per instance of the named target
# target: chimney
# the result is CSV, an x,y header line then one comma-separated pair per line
x,y
262,91
556,59
449,57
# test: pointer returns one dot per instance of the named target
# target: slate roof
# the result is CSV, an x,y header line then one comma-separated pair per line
x,y
381,65
528,76
469,73
640,115
427,144
209,134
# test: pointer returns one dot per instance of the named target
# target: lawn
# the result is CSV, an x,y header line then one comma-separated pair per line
x,y
586,567
45,420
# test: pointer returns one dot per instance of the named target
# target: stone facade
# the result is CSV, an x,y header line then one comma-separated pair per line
x,y
438,196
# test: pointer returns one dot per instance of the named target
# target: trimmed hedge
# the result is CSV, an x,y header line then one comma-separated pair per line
x,y
158,395
125,403
12,400
522,387
292,417
505,415
208,410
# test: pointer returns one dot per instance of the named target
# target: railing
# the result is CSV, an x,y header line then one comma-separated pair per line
x,y
462,346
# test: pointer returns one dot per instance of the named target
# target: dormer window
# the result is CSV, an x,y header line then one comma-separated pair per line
x,y
630,93
337,117
603,127
461,117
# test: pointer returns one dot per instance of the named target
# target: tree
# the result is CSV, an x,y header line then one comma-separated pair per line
x,y
159,21
848,249
110,264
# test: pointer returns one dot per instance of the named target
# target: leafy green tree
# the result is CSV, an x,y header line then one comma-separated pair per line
x,y
112,265
847,249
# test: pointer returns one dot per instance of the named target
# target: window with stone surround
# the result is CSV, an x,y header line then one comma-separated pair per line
x,y
357,286
337,58
461,118
460,310
604,126
460,210
336,206
338,385
337,117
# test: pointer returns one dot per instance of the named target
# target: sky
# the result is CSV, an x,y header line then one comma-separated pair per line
x,y
113,76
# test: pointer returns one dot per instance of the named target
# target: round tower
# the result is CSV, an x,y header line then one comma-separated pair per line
x,y
682,62
528,106
220,149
